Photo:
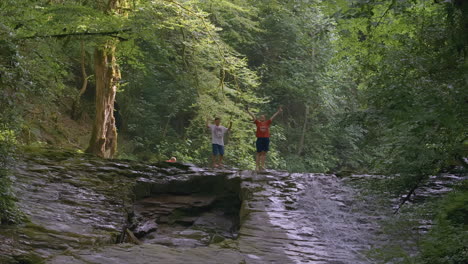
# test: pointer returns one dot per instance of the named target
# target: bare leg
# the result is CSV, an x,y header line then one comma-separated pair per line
x,y
262,160
220,163
257,161
214,161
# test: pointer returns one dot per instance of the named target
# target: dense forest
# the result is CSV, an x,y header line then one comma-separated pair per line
x,y
366,86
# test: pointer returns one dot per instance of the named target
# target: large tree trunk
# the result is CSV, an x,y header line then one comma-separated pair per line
x,y
103,140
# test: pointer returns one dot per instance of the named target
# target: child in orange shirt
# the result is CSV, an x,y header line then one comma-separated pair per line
x,y
263,137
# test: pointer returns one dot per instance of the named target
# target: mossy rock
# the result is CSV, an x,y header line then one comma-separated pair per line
x,y
229,243
217,239
29,258
344,173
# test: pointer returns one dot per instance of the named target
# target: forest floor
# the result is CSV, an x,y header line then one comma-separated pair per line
x,y
53,125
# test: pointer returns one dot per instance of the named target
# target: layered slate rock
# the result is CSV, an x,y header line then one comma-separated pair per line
x,y
302,218
70,202
284,218
80,206
74,201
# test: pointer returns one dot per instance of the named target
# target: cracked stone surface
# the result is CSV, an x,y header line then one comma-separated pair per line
x,y
77,206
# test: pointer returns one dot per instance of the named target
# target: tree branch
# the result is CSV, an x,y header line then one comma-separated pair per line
x,y
408,196
86,33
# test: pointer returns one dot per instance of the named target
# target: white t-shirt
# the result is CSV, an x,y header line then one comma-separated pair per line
x,y
217,134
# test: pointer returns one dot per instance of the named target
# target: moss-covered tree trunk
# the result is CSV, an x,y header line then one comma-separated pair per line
x,y
103,140
300,146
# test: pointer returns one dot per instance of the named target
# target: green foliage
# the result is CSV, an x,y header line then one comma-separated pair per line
x,y
31,73
8,210
289,52
409,84
11,81
406,70
384,82
180,73
237,20
447,241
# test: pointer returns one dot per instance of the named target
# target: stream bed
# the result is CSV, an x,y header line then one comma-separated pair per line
x,y
85,210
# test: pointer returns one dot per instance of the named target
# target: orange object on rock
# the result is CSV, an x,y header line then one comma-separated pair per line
x,y
173,159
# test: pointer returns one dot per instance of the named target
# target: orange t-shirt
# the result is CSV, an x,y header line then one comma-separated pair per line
x,y
263,128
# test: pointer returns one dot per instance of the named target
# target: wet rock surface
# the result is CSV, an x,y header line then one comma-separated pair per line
x,y
186,220
79,208
75,201
307,218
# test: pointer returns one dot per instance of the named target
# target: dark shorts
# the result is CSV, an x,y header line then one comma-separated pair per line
x,y
263,144
218,149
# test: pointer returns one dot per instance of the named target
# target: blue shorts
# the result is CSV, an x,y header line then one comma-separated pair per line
x,y
218,150
263,144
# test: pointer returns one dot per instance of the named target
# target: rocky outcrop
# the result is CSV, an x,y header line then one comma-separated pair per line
x,y
75,201
80,207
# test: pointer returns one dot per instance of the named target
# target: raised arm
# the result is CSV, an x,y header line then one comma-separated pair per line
x,y
280,109
207,123
251,114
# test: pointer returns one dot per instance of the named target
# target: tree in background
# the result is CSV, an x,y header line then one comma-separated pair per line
x,y
291,52
185,73
357,81
103,140
409,73
191,61
373,86
408,63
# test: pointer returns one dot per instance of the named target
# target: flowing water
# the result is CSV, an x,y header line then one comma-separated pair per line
x,y
319,217
79,207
